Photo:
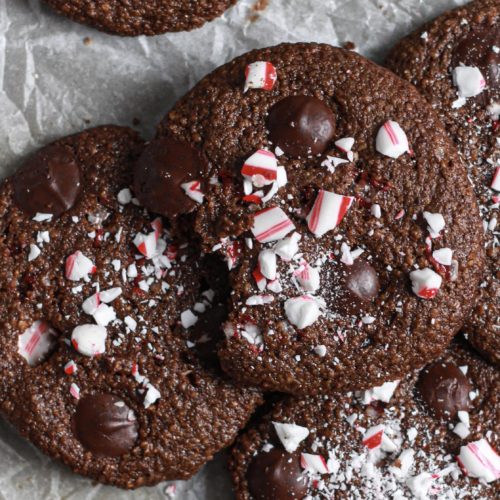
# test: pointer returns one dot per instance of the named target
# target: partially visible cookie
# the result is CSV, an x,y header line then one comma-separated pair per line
x,y
433,435
141,17
98,369
454,61
340,205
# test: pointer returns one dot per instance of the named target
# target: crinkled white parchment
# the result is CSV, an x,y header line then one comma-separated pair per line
x,y
53,84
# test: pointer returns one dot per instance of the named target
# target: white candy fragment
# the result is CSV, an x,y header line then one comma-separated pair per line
x,y
91,304
271,224
444,256
320,350
109,295
469,80
382,393
188,318
495,183
267,264
193,191
327,212
259,300
308,278
479,459
78,266
425,283
124,196
391,140
89,340
302,311
290,435
42,217
104,315
345,144
152,395
34,252
36,342
420,485
261,168
435,223
288,247
315,464
260,75
146,244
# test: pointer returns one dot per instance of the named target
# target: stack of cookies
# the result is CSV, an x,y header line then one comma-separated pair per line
x,y
307,230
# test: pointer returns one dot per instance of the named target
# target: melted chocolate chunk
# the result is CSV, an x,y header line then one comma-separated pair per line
x,y
49,182
444,389
274,475
476,49
301,125
105,425
164,166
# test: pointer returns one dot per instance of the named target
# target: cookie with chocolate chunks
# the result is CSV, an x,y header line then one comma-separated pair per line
x,y
99,301
141,17
343,211
381,443
455,63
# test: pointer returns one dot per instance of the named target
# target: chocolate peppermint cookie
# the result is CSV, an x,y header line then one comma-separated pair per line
x,y
432,435
340,205
141,17
454,61
98,299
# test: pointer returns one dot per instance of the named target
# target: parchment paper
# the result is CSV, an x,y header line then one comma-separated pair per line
x,y
57,77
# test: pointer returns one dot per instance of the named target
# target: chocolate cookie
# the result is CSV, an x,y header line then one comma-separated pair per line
x,y
388,442
141,17
98,300
342,208
454,61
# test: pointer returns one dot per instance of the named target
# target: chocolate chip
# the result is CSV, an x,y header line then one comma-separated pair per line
x,y
476,49
362,281
164,165
301,125
444,389
276,475
105,425
49,182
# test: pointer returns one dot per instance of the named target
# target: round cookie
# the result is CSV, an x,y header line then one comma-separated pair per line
x,y
139,17
343,209
97,305
468,101
382,443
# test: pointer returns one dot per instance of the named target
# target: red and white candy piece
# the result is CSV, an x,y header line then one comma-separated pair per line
x,y
146,243
435,223
376,437
391,140
78,266
267,264
345,145
104,315
193,191
327,212
259,278
479,459
74,390
70,368
308,277
271,224
302,311
260,75
290,435
288,247
469,80
315,464
443,256
425,283
36,342
261,168
382,393
495,183
89,340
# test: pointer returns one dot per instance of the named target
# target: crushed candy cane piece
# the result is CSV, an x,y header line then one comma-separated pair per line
x,y
89,340
420,485
193,191
271,224
444,256
70,368
33,253
495,183
425,283
78,266
146,243
290,435
308,278
74,390
469,80
267,264
478,459
382,393
124,196
259,278
320,350
391,140
36,342
109,295
260,75
435,223
259,300
373,437
188,318
345,144
152,395
261,168
302,311
288,247
91,304
327,212
104,315
315,464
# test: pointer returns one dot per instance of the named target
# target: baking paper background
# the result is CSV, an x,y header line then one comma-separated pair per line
x,y
52,84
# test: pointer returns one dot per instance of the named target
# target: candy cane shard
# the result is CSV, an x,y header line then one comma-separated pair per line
x,y
267,264
425,283
478,459
435,223
382,393
89,340
260,75
36,342
261,168
391,140
315,464
290,435
327,212
271,224
302,311
469,81
78,266
193,191
495,183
